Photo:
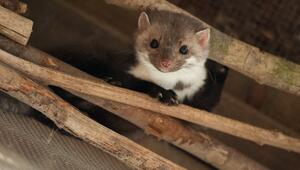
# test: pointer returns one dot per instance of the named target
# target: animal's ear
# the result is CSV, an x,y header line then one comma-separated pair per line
x,y
203,37
144,21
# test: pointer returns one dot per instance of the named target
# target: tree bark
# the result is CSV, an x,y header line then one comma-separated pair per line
x,y
14,5
163,127
67,117
132,98
15,26
263,67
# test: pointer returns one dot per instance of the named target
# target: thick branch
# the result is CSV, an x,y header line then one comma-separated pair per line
x,y
258,65
66,116
132,98
15,26
14,5
163,127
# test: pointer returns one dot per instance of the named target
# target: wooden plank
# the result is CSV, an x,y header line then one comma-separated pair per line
x,y
14,26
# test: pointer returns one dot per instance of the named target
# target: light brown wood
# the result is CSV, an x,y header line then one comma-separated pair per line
x,y
263,67
132,98
69,118
171,130
14,26
163,127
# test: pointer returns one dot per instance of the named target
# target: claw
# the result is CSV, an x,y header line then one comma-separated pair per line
x,y
160,95
173,100
176,102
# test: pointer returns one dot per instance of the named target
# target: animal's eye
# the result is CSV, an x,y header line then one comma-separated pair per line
x,y
154,43
184,49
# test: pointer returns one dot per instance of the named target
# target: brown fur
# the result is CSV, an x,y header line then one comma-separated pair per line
x,y
183,32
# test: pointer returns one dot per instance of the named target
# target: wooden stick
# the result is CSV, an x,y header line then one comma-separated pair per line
x,y
67,117
15,26
163,127
14,5
169,129
263,67
132,98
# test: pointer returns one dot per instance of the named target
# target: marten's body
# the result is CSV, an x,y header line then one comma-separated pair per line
x,y
170,61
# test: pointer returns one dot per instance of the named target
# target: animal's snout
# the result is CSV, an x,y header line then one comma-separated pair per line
x,y
166,63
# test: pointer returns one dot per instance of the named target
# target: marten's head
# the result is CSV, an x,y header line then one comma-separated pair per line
x,y
171,41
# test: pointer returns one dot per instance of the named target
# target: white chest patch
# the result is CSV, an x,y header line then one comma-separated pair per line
x,y
193,76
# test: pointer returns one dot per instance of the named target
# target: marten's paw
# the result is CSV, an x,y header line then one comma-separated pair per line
x,y
167,97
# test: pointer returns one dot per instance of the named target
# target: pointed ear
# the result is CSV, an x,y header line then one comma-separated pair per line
x,y
203,37
144,21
